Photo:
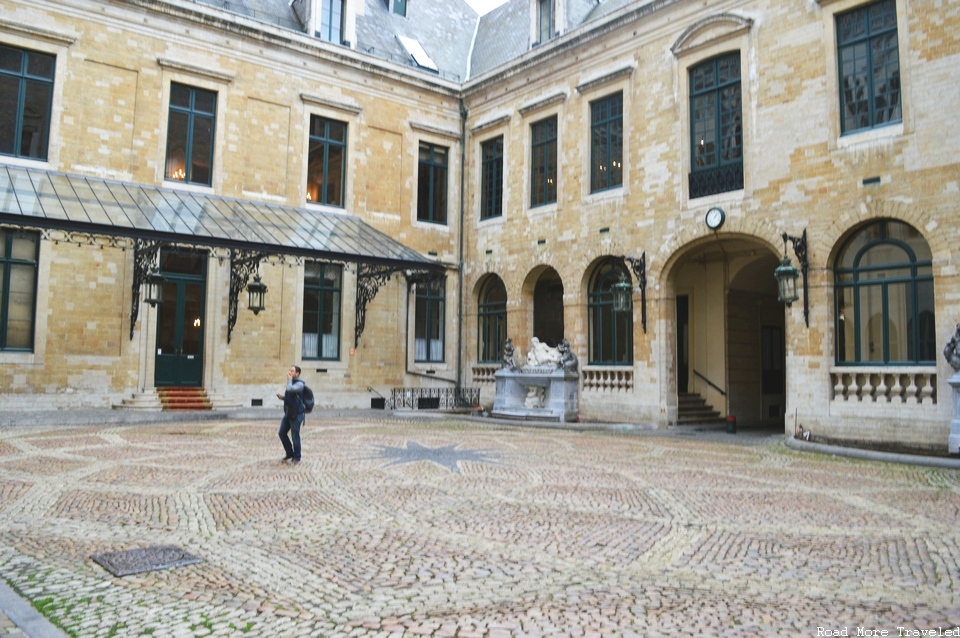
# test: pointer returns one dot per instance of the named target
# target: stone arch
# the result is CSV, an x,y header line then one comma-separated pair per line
x,y
845,224
709,31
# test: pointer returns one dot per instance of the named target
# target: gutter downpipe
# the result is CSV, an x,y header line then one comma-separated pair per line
x,y
463,157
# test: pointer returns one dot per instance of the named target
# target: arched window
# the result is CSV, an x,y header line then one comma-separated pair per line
x,y
492,320
884,297
611,333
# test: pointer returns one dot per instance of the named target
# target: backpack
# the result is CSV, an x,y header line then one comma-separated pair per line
x,y
308,401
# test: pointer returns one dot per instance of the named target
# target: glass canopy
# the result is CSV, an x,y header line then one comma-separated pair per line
x,y
46,199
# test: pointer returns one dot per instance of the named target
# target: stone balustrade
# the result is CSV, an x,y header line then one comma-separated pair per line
x,y
880,385
483,372
607,379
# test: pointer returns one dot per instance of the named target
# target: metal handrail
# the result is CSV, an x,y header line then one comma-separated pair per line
x,y
710,383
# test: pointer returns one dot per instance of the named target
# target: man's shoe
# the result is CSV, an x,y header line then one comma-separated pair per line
x,y
295,461
286,459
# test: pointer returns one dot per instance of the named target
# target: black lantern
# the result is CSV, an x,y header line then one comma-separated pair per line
x,y
256,290
786,275
153,288
622,295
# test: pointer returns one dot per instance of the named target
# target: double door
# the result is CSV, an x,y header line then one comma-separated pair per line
x,y
179,359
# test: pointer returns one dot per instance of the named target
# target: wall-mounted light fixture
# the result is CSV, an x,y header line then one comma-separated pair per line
x,y
786,274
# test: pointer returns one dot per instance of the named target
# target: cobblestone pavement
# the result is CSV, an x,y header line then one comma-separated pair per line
x,y
462,528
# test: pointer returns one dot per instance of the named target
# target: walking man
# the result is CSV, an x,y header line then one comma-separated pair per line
x,y
292,415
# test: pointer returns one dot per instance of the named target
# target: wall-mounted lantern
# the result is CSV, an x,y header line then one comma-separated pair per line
x,y
622,295
153,287
787,275
256,291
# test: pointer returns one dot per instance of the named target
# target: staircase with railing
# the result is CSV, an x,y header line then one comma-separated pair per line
x,y
693,409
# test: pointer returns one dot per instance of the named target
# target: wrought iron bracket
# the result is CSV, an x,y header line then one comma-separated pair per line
x,y
144,257
370,278
243,264
800,250
639,268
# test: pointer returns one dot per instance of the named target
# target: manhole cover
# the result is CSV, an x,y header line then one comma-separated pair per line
x,y
146,559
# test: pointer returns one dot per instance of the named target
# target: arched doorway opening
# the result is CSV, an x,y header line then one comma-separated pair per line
x,y
548,308
729,334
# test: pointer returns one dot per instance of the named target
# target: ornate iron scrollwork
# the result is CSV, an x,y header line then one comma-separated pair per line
x,y
721,179
639,268
369,280
144,257
800,250
242,264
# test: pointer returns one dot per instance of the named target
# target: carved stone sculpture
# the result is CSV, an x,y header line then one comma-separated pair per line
x,y
952,350
568,360
508,360
541,354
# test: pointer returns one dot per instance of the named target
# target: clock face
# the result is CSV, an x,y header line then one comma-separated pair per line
x,y
715,217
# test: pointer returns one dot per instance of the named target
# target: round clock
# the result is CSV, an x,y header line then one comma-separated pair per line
x,y
715,217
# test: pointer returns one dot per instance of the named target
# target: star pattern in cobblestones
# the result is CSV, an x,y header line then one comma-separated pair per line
x,y
448,455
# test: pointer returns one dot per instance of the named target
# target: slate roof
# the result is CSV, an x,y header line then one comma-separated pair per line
x,y
444,28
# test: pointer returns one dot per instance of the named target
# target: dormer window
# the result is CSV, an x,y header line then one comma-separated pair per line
x,y
331,20
416,52
545,20
400,7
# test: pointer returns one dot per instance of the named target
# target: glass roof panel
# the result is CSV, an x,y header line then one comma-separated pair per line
x,y
54,200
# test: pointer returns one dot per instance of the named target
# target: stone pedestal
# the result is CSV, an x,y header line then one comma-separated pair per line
x,y
954,443
543,392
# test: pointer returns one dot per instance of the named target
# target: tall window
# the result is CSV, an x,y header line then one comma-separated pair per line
x,y
19,254
432,184
491,180
326,164
190,134
543,167
331,21
869,60
492,320
400,7
884,297
545,20
26,98
428,332
321,310
606,143
611,333
716,123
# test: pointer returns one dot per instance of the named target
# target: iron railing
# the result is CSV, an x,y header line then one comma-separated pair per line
x,y
721,179
434,398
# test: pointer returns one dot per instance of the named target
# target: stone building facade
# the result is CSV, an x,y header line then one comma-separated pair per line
x,y
516,168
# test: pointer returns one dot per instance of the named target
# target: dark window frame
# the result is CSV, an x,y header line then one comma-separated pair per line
x,y
430,319
716,126
544,135
400,7
323,291
491,178
606,143
491,320
323,143
856,279
867,40
7,263
194,114
432,177
29,79
609,331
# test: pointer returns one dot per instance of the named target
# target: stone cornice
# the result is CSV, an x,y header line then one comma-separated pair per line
x,y
37,33
434,130
497,121
543,103
606,79
176,65
347,107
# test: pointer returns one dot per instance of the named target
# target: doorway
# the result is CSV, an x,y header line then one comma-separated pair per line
x,y
548,308
180,319
683,343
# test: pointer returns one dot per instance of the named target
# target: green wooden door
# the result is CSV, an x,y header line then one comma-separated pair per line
x,y
180,319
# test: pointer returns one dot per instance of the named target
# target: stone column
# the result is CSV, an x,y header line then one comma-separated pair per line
x,y
954,382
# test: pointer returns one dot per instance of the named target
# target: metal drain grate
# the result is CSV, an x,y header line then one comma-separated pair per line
x,y
146,559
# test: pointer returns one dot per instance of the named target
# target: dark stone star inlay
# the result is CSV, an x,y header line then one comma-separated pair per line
x,y
448,456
